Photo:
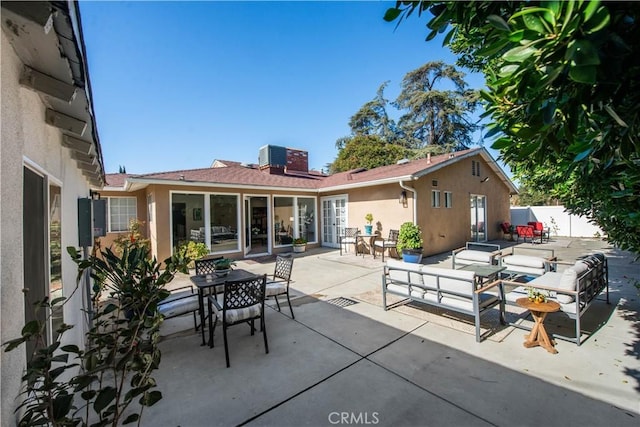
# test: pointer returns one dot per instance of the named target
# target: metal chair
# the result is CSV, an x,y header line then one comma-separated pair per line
x,y
243,302
208,266
279,284
389,243
181,301
350,237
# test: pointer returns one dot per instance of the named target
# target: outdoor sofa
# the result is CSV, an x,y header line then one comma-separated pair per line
x,y
453,290
527,261
575,288
475,253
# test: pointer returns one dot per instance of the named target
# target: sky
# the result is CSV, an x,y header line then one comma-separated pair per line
x,y
177,85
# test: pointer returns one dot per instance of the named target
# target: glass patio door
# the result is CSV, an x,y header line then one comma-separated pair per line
x,y
478,218
334,219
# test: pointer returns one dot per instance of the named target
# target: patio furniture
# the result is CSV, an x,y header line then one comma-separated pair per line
x,y
475,253
507,230
527,262
181,301
484,273
524,231
350,237
389,243
204,283
538,335
279,283
207,265
453,290
243,302
539,230
575,289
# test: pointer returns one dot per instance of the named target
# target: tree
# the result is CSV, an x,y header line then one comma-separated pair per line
x,y
122,169
435,117
563,96
367,151
372,118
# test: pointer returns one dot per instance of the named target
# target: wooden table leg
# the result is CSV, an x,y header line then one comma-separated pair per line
x,y
538,335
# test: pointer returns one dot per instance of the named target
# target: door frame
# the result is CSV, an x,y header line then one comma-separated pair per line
x,y
246,221
475,219
331,225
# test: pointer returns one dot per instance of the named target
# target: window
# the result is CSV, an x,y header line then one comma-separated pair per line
x,y
475,168
448,199
121,211
435,198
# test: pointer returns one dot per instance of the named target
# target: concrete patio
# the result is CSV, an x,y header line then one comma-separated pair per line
x,y
344,360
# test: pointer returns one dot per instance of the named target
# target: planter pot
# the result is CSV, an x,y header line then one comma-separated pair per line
x,y
222,272
368,229
299,248
413,256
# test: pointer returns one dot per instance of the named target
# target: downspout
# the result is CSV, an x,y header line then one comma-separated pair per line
x,y
415,200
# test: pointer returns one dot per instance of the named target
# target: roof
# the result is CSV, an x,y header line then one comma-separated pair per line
x,y
234,174
47,37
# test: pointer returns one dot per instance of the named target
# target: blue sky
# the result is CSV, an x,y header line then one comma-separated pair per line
x,y
179,84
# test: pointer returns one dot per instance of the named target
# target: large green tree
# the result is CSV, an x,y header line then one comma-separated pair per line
x,y
367,151
432,119
563,96
434,116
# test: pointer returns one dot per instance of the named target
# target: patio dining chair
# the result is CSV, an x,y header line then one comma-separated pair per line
x,y
380,244
279,283
206,266
350,237
242,302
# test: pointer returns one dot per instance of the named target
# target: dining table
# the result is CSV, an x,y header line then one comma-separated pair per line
x,y
205,282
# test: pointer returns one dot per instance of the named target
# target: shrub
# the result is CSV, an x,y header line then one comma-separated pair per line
x,y
409,237
194,250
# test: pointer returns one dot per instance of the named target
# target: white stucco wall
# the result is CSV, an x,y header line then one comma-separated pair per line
x,y
566,225
27,139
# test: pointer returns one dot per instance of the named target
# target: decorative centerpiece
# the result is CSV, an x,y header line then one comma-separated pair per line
x,y
368,229
536,295
223,266
299,244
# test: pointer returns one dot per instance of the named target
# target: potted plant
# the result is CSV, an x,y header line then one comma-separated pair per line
x,y
410,242
368,229
299,244
223,266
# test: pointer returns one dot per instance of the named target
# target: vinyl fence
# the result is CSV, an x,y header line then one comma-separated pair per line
x,y
557,219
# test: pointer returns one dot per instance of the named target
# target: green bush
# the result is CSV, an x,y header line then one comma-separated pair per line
x,y
194,250
409,237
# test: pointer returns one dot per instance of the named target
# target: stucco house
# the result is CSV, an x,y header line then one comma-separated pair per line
x,y
50,158
244,210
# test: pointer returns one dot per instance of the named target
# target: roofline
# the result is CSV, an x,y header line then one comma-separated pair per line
x,y
393,180
130,185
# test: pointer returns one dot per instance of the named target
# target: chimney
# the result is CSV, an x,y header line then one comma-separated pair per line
x,y
428,158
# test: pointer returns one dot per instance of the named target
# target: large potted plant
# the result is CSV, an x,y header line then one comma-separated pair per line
x,y
410,242
300,244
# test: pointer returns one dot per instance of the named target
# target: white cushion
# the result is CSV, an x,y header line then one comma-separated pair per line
x,y
404,276
275,288
472,255
348,240
238,314
580,267
459,281
567,282
178,307
384,243
524,260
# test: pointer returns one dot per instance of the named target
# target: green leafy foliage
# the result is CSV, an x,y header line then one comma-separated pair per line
x,y
193,250
563,97
430,119
121,345
409,237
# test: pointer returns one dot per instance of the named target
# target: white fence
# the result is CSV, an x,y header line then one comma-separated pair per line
x,y
557,219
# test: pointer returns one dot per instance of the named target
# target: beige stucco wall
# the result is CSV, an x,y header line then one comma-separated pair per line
x,y
141,206
443,228
26,136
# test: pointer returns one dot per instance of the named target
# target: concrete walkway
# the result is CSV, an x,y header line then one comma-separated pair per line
x,y
344,360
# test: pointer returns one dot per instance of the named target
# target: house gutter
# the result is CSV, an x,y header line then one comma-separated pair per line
x,y
415,199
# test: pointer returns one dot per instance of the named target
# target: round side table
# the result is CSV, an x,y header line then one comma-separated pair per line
x,y
538,335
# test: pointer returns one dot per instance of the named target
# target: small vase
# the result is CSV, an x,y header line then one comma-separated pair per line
x,y
299,247
223,272
368,229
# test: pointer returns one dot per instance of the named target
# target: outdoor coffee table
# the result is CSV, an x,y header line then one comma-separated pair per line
x,y
484,272
206,281
538,335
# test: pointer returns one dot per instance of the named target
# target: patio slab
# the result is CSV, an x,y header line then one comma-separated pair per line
x,y
408,367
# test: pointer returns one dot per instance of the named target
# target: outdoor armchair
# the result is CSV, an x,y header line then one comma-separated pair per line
x,y
181,301
389,243
242,302
279,283
350,237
